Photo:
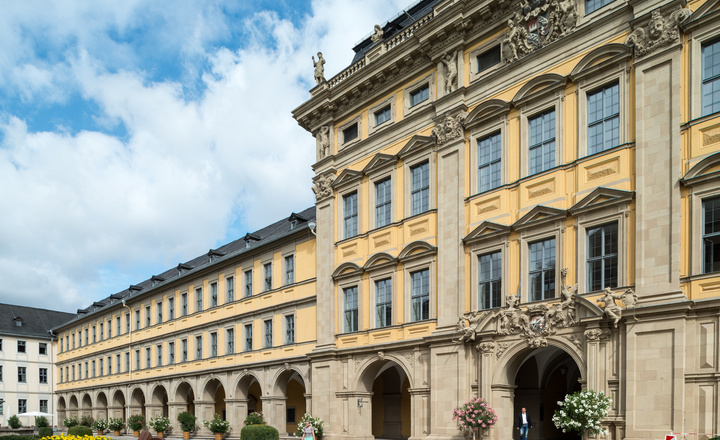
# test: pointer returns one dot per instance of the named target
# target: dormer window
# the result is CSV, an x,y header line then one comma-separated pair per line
x,y
18,322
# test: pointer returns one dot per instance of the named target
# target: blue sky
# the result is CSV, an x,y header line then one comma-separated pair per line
x,y
138,134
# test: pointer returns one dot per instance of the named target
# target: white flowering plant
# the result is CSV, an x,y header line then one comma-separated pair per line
x,y
473,414
582,411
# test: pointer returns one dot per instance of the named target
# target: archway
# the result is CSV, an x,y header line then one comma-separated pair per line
x,y
86,406
215,392
389,384
186,395
159,400
291,386
101,406
543,378
61,407
137,403
118,405
73,407
248,388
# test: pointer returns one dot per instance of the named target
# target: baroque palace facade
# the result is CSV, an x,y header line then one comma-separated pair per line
x,y
513,201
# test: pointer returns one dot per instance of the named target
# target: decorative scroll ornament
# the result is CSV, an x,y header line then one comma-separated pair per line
x,y
597,334
322,138
612,310
486,347
501,348
323,187
450,128
467,326
539,22
659,32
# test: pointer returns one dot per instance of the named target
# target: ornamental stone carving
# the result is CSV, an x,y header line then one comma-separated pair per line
x,y
467,326
323,187
659,32
449,129
538,23
612,310
377,34
322,138
597,334
449,61
486,347
501,348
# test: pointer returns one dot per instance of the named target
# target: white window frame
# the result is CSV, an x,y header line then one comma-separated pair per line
x,y
352,187
351,281
705,34
344,126
474,74
496,244
379,275
374,180
428,80
286,280
286,330
389,101
554,229
616,213
412,266
483,130
534,107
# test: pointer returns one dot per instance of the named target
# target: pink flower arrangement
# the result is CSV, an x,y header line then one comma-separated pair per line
x,y
474,414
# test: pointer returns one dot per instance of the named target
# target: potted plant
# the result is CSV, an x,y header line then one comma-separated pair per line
x,y
87,421
217,426
136,423
315,422
187,423
116,425
71,421
160,424
582,412
100,426
255,418
473,415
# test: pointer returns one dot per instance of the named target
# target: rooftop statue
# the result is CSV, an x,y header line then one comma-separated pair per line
x,y
378,35
319,68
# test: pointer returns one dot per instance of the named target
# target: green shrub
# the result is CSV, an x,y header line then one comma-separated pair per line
x,y
41,422
117,424
259,432
187,421
255,418
87,421
14,422
80,431
71,421
17,437
136,422
45,431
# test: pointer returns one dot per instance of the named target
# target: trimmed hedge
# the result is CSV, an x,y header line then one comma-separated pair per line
x,y
17,437
45,431
259,432
80,431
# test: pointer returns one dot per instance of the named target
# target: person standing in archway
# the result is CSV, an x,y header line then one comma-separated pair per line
x,y
308,431
523,424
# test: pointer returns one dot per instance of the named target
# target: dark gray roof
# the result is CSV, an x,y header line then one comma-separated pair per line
x,y
36,323
395,25
251,241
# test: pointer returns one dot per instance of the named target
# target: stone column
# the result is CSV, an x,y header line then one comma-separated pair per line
x,y
419,413
308,405
325,217
204,410
503,398
175,408
274,409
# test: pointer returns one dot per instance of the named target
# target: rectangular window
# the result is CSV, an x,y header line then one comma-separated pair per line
x,y
383,303
184,350
350,301
117,324
602,260
420,188
490,280
102,331
43,406
60,369
147,316
489,162
21,346
230,336
603,108
171,353
87,370
159,306
350,215
73,340
198,299
248,337
43,375
542,142
117,362
92,371
230,286
268,333
94,335
383,202
711,235
290,329
542,269
2,411
42,348
198,347
148,358
127,362
488,58
184,303
102,367
268,276
594,5
382,115
420,295
73,372
350,133
137,320
171,308
289,269
711,78
213,344
22,406
137,359
213,295
248,283
109,364
158,350
419,95
109,328
127,322
87,337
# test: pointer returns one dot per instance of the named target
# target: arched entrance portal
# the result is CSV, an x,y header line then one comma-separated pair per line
x,y
390,403
215,392
186,395
118,406
101,406
137,403
160,401
291,386
544,377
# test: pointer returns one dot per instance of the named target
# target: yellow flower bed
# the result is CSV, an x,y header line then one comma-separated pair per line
x,y
76,437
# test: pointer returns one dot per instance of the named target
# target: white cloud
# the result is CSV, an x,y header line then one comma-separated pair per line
x,y
86,213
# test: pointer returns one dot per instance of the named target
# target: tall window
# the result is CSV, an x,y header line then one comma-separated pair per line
x,y
290,329
127,322
171,353
230,286
711,235
94,334
420,295
109,364
43,373
603,108
42,348
22,406
184,302
248,337
198,347
137,359
117,362
101,371
213,295
171,308
489,164
87,337
383,202
158,350
289,269
102,331
21,346
602,262
420,188
542,142
490,280
383,302
43,406
350,300
184,350
127,362
147,316
109,328
117,325
383,115
159,306
711,78
350,215
60,369
542,269
268,333
248,283
594,5
198,299
419,95
148,358
213,344
230,336
268,276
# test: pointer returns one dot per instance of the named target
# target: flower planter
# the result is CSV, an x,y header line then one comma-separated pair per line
x,y
186,435
161,434
218,435
117,432
100,432
136,433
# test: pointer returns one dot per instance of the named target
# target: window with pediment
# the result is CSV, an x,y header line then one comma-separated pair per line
x,y
487,245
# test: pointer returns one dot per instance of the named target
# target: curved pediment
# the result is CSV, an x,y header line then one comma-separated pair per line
x,y
486,110
346,270
706,169
600,58
380,260
539,85
417,249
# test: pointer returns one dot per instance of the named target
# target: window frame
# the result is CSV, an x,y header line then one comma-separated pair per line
x,y
229,340
476,74
546,100
247,283
230,288
344,310
248,336
214,294
267,282
411,192
340,132
698,36
289,269
387,205
503,271
602,258
289,331
496,127
373,127
554,228
268,337
428,80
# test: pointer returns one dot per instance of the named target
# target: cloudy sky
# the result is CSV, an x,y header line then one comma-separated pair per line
x,y
138,134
